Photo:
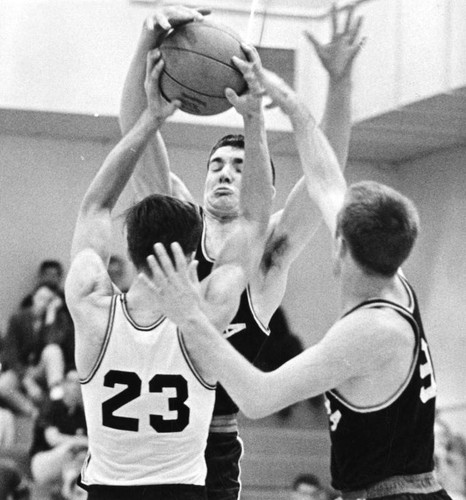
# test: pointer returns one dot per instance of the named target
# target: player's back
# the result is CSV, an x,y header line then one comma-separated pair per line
x,y
148,411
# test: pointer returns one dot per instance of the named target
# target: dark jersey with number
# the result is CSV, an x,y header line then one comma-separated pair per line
x,y
370,444
246,333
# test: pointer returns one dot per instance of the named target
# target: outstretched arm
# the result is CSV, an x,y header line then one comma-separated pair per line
x,y
337,58
153,172
354,347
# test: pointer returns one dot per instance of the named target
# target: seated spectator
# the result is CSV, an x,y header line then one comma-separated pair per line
x,y
450,460
60,441
39,344
308,487
12,484
50,272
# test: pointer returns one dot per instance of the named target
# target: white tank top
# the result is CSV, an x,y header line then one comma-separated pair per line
x,y
148,411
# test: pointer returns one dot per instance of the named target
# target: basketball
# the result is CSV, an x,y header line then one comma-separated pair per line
x,y
198,67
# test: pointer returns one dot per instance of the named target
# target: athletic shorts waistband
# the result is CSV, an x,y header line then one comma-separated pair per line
x,y
224,423
395,485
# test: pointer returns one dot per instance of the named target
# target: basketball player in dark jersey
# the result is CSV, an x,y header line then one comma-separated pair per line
x,y
147,404
373,364
289,230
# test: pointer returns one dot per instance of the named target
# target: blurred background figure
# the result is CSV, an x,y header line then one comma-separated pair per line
x,y
450,460
51,273
39,344
308,487
60,442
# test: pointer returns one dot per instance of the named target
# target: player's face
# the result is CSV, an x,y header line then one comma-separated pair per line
x,y
223,181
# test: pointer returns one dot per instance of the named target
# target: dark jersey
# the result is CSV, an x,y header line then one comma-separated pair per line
x,y
370,444
245,332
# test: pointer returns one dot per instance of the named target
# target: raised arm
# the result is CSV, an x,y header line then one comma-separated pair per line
x,y
93,231
337,57
153,172
241,253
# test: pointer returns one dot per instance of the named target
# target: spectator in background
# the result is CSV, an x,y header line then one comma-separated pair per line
x,y
450,460
39,344
12,484
308,487
60,441
50,272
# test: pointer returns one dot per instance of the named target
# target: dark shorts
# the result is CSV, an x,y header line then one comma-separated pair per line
x,y
411,487
437,495
152,492
223,454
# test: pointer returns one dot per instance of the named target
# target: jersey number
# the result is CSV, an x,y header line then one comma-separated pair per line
x,y
133,390
427,373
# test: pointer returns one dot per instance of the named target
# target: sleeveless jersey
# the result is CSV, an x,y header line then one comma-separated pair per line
x,y
370,444
246,333
148,411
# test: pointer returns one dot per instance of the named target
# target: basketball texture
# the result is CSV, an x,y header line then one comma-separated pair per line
x,y
198,67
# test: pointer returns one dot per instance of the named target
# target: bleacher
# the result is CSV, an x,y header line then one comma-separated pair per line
x,y
274,456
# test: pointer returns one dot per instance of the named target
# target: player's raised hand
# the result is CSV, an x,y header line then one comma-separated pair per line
x,y
338,55
171,16
174,284
250,102
158,106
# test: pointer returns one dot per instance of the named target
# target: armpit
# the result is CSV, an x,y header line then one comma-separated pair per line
x,y
275,248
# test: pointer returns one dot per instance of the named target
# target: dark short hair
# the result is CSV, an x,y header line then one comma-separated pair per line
x,y
236,141
50,263
380,226
310,479
161,219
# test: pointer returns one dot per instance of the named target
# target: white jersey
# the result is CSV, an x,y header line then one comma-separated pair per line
x,y
148,411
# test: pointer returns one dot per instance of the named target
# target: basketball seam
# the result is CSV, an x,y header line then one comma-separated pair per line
x,y
204,55
189,88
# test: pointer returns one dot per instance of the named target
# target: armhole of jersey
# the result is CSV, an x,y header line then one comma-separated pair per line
x,y
187,358
417,347
261,325
409,291
103,348
203,241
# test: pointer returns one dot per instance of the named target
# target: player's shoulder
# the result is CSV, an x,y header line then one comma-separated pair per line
x,y
378,331
87,278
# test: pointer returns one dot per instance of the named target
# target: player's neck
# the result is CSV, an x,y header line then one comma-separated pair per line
x,y
141,303
220,216
359,287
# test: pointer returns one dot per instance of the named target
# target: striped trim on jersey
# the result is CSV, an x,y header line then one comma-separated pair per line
x,y
133,323
408,315
103,348
191,365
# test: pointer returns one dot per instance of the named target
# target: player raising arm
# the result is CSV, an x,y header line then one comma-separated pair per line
x,y
373,364
148,405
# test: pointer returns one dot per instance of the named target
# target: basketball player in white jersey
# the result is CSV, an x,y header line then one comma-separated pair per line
x,y
148,406
289,230
373,364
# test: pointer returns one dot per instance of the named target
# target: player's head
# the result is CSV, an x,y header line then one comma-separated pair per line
x,y
379,226
161,219
224,175
307,487
50,272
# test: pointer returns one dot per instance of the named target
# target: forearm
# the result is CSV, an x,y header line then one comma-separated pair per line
x,y
243,382
324,180
120,164
256,186
152,174
336,122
